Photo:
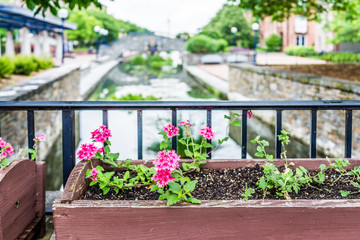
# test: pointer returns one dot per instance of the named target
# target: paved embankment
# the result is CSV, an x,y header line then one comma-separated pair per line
x,y
209,80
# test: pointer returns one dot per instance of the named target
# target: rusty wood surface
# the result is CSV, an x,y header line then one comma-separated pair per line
x,y
255,219
17,197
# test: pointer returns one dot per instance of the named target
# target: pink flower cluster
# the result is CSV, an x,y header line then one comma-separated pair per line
x,y
94,174
171,131
101,134
40,138
88,151
9,150
249,114
183,123
165,164
207,133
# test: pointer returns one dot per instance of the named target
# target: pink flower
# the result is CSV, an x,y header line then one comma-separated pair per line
x,y
101,150
40,138
249,114
167,161
165,164
3,143
101,134
183,123
10,150
163,177
171,130
207,133
4,154
94,174
87,151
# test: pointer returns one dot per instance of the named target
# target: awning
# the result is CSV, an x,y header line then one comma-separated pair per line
x,y
12,17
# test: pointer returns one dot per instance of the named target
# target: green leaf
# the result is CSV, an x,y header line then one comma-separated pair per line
x,y
259,154
190,186
126,175
227,117
154,188
202,162
107,149
260,149
174,187
236,123
106,190
322,167
182,141
193,200
265,143
113,156
92,183
207,145
188,153
262,183
344,193
116,190
163,145
186,166
172,199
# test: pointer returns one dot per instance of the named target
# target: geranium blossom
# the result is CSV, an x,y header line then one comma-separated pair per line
x,y
249,114
94,174
40,138
171,131
9,150
101,134
185,123
207,133
87,151
165,164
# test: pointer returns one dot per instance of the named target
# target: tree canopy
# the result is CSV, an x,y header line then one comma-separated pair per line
x,y
220,26
279,10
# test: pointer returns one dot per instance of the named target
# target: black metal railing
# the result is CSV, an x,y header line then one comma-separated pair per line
x,y
68,118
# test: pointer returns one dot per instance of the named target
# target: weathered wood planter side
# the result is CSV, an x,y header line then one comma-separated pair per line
x,y
22,200
237,219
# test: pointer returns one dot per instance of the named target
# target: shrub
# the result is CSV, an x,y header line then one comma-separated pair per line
x,y
43,63
273,42
301,51
204,44
341,57
6,66
138,60
24,65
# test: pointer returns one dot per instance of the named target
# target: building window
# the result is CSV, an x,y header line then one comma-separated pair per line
x,y
300,40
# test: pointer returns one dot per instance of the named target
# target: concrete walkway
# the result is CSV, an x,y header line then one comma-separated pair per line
x,y
218,70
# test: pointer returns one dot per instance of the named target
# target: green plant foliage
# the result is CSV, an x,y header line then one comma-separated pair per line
x,y
139,97
274,42
24,65
204,44
43,63
343,57
6,66
230,16
281,10
138,60
301,51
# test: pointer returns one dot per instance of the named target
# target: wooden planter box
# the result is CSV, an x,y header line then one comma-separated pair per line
x,y
235,219
22,200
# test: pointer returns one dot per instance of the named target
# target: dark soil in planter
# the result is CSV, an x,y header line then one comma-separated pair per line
x,y
229,184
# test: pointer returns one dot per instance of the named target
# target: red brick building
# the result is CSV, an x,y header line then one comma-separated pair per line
x,y
297,31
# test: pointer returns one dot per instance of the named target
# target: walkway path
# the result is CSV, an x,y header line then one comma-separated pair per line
x,y
283,59
218,70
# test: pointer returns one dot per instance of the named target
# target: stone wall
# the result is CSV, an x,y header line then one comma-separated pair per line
x,y
248,82
195,59
58,84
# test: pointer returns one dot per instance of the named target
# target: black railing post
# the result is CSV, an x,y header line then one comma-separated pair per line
x,y
313,130
173,122
68,134
31,129
243,134
278,127
105,118
208,122
348,133
140,134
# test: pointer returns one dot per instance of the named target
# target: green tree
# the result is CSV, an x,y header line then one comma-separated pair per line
x,y
273,42
230,16
85,25
280,10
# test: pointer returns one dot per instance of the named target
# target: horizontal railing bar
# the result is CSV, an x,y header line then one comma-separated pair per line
x,y
169,105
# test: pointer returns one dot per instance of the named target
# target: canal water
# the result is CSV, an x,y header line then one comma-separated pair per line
x,y
175,87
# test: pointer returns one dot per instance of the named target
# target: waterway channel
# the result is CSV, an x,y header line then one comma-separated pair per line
x,y
176,87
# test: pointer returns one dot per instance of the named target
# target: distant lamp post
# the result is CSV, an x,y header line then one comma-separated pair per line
x,y
63,14
103,33
255,27
234,31
97,30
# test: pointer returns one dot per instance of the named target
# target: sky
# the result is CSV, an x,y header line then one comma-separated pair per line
x,y
164,16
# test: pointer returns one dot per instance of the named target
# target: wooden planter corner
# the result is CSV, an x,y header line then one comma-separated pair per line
x,y
22,200
235,219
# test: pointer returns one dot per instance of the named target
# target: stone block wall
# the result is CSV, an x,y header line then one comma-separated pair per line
x,y
58,84
248,82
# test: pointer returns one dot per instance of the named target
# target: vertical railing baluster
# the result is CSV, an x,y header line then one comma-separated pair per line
x,y
68,133
173,122
140,133
105,118
31,129
313,130
348,133
208,122
243,134
278,127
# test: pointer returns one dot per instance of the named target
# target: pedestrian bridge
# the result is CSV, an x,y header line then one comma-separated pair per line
x,y
139,44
